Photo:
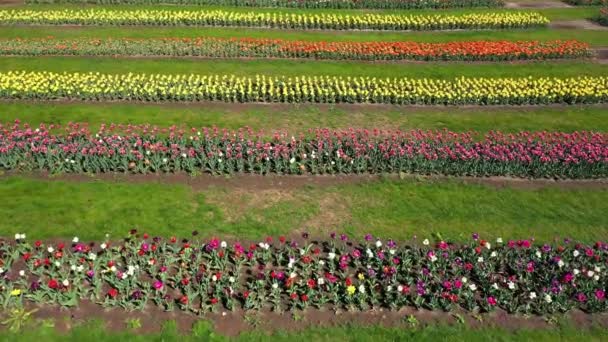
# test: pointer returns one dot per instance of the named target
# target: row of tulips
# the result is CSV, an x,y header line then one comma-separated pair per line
x,y
201,276
276,48
369,21
94,86
336,4
145,149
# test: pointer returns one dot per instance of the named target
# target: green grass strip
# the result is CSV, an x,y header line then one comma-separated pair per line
x,y
203,331
299,68
398,209
298,117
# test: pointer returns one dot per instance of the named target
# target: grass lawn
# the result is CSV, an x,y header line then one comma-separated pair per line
x,y
398,209
299,68
594,38
203,332
298,118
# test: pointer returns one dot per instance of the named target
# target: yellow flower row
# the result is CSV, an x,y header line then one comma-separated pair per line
x,y
321,89
278,20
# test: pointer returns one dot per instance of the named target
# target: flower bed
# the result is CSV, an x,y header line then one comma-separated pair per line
x,y
143,149
275,48
337,4
281,274
274,20
317,89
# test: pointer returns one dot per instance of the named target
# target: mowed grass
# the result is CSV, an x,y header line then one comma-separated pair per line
x,y
592,37
399,209
300,68
202,331
299,118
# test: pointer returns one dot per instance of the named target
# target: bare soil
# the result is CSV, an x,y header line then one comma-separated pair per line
x,y
536,4
278,106
581,24
601,55
11,2
232,323
282,183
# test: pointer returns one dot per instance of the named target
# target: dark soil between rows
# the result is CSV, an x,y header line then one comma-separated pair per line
x,y
232,323
203,182
11,2
237,106
294,30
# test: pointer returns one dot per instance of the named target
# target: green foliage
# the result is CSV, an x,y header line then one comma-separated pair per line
x,y
397,209
17,318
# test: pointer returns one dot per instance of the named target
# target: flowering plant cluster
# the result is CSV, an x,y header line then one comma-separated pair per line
x,y
369,21
280,274
337,4
94,86
276,48
146,149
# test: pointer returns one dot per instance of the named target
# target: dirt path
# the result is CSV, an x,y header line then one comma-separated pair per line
x,y
536,4
232,323
252,182
581,24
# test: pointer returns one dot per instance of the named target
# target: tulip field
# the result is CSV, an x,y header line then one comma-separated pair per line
x,y
334,170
